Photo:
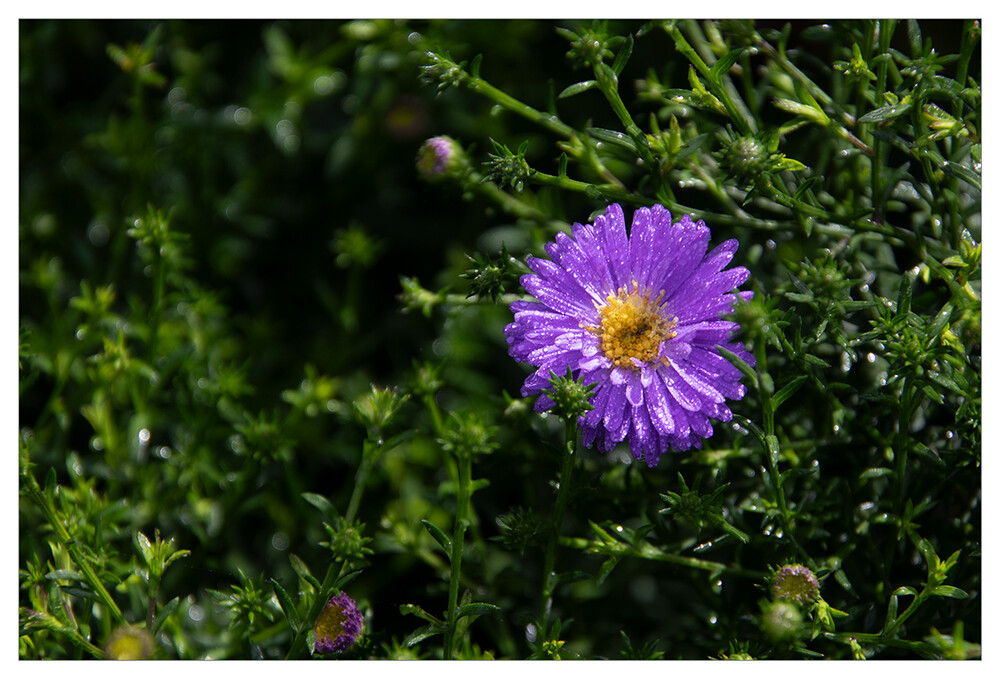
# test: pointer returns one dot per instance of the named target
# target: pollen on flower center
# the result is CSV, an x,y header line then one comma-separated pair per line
x,y
632,327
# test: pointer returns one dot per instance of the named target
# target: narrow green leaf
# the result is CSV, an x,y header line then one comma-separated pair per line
x,y
577,88
413,609
885,113
145,547
623,55
904,295
439,536
165,612
734,531
612,137
963,173
722,66
787,391
287,607
606,568
421,633
875,473
815,360
742,365
607,79
923,450
346,578
950,592
322,504
475,609
65,574
302,570
905,590
691,146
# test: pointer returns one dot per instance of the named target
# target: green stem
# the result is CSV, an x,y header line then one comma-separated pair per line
x,y
877,640
457,546
508,203
593,190
34,491
772,448
651,553
50,622
368,454
548,121
562,499
607,81
336,568
736,113
901,445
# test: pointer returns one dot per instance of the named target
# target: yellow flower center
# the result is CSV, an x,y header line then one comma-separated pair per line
x,y
632,326
330,623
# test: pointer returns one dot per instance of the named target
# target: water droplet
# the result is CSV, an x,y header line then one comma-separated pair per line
x,y
871,357
712,620
770,244
619,529
164,452
97,444
98,234
703,546
413,38
866,506
143,437
242,115
279,541
196,613
531,633
949,434
80,334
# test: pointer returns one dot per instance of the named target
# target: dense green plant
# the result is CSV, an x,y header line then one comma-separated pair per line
x,y
231,409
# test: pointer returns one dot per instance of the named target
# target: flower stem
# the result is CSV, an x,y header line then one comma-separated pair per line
x,y
336,568
562,499
457,546
33,490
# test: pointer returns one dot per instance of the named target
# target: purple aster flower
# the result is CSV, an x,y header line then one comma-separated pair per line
x,y
339,625
639,315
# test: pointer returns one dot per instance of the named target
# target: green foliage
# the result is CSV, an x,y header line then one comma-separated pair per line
x,y
222,227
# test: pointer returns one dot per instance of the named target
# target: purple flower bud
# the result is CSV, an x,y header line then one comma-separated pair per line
x,y
794,583
437,157
339,625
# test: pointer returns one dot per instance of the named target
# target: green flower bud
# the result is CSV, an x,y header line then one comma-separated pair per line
x,y
129,643
781,620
